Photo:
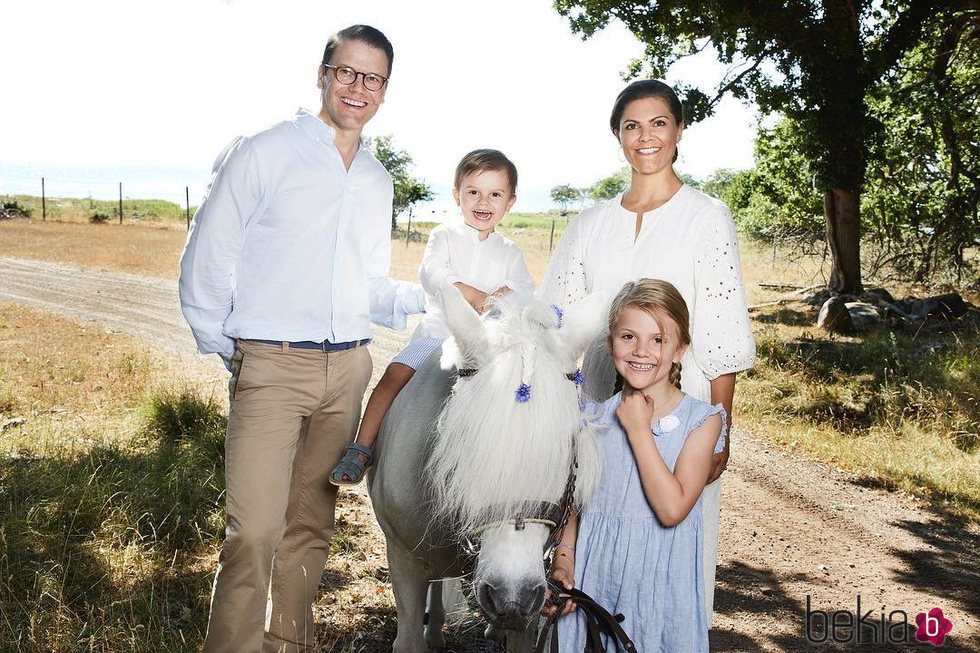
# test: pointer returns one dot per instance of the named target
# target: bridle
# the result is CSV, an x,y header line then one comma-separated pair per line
x,y
555,517
550,514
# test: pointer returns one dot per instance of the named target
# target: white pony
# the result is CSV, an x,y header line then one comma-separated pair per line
x,y
474,443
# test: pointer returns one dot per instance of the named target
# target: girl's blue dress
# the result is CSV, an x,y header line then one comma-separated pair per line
x,y
625,559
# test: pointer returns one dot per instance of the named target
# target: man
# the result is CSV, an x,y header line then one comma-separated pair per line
x,y
284,269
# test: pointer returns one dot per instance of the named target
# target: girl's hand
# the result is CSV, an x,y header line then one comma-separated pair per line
x,y
635,412
564,575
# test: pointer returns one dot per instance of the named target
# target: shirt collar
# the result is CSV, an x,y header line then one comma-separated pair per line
x,y
472,234
321,131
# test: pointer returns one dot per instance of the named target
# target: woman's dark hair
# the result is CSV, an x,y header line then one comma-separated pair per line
x,y
640,90
365,34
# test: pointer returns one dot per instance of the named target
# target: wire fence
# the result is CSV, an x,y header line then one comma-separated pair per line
x,y
130,190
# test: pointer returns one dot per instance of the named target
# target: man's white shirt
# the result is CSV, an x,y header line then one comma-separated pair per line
x,y
291,245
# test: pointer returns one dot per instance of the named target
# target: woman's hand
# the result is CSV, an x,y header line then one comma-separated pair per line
x,y
719,462
635,412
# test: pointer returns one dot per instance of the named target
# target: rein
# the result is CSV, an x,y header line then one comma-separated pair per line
x,y
598,620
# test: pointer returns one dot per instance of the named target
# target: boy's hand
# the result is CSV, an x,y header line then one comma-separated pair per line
x,y
501,291
474,297
635,412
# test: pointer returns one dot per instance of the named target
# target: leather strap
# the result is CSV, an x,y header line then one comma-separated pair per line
x,y
598,620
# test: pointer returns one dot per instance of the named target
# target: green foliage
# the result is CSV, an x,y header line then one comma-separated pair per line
x,y
408,189
610,186
100,547
783,202
66,207
99,218
811,62
564,195
13,209
923,185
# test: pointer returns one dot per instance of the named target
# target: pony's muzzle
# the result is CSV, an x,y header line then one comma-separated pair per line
x,y
511,607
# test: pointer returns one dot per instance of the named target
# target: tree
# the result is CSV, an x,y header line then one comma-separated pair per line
x,y
611,186
564,195
922,196
408,189
814,62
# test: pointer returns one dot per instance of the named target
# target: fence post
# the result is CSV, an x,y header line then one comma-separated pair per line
x,y
551,239
408,232
44,207
187,204
120,202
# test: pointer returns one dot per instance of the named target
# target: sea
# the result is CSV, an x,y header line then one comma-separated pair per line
x,y
182,184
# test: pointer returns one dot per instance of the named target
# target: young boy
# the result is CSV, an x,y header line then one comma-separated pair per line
x,y
473,257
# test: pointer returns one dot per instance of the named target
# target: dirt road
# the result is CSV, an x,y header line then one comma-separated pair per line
x,y
792,530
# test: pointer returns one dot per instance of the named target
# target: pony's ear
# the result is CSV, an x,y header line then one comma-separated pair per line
x,y
464,324
582,321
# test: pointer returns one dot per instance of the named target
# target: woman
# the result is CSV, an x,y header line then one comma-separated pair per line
x,y
662,229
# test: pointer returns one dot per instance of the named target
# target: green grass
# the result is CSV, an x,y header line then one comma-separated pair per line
x,y
81,209
107,548
897,408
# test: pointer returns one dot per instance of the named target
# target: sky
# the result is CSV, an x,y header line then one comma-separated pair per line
x,y
96,88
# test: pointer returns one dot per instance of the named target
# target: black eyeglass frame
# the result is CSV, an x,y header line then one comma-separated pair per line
x,y
364,77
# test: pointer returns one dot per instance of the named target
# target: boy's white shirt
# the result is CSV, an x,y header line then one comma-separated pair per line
x,y
455,253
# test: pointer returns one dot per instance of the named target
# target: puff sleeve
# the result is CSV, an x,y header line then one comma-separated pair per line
x,y
722,332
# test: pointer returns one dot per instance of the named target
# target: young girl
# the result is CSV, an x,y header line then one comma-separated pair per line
x,y
636,548
473,257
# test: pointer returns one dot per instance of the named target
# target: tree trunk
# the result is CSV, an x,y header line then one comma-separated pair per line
x,y
841,209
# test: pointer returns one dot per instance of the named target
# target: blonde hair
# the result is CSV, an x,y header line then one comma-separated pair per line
x,y
660,299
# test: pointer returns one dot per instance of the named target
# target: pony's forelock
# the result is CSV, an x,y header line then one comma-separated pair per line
x,y
495,456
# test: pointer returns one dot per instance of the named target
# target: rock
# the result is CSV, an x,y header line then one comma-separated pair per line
x,y
950,305
834,316
879,295
13,421
863,316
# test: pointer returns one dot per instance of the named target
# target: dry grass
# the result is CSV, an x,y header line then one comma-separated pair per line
x,y
99,559
136,249
111,517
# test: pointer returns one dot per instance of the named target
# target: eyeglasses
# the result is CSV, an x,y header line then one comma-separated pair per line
x,y
347,76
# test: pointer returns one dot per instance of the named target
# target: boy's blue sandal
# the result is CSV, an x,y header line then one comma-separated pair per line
x,y
350,466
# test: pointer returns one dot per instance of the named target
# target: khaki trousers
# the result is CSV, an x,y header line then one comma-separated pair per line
x,y
292,413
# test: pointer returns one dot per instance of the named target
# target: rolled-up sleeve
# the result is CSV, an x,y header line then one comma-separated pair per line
x,y
390,301
436,269
722,339
214,244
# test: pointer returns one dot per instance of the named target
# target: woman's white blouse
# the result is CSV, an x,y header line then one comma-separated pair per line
x,y
690,241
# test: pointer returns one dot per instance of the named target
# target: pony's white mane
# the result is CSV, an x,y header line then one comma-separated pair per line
x,y
493,454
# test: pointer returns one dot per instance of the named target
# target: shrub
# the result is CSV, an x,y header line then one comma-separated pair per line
x,y
99,218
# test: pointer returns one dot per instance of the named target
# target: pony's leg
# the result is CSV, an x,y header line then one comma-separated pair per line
x,y
435,617
409,582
